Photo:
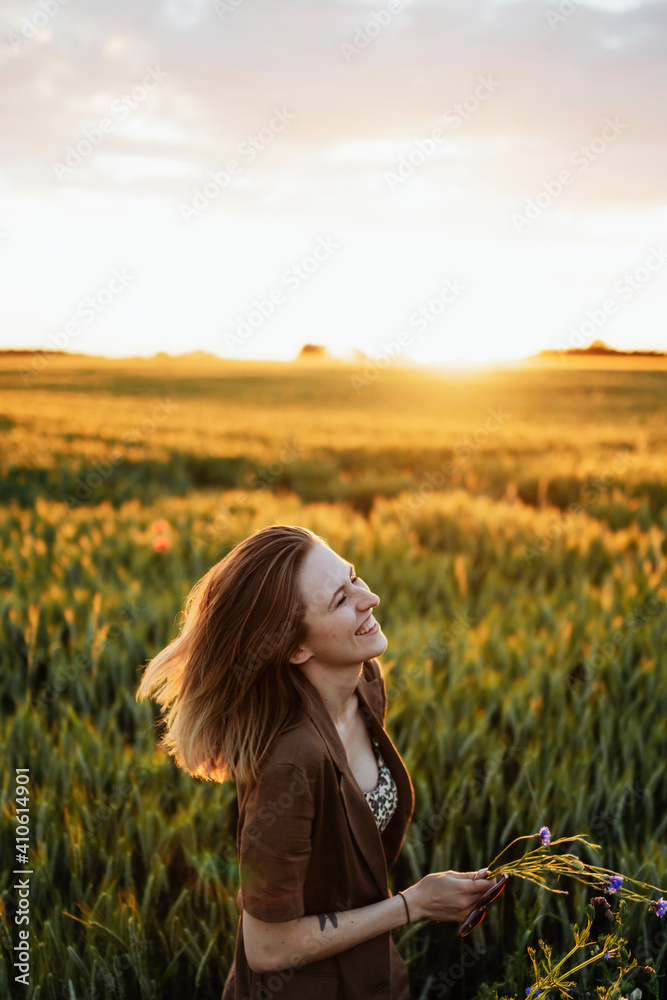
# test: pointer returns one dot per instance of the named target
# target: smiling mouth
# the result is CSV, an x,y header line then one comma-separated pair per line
x,y
367,626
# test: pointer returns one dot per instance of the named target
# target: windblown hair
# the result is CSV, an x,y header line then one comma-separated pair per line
x,y
225,683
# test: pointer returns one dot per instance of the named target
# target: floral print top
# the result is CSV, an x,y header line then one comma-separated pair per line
x,y
384,797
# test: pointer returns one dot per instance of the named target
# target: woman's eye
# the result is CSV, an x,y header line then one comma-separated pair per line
x,y
353,579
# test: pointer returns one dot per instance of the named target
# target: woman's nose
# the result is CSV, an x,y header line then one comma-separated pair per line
x,y
369,598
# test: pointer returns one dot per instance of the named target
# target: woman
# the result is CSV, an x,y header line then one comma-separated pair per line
x,y
273,681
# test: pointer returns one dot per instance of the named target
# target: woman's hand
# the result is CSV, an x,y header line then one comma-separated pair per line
x,y
446,895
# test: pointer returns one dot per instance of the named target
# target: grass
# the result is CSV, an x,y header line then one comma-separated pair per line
x,y
525,670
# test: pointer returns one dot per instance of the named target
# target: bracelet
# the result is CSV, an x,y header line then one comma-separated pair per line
x,y
405,903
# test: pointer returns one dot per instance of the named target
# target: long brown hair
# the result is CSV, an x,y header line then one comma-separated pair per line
x,y
225,681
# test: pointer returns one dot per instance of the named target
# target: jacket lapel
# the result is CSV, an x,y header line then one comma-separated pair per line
x,y
360,818
394,833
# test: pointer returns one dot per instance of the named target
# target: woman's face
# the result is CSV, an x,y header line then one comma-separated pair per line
x,y
339,606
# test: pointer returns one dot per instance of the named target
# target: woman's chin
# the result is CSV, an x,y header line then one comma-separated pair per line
x,y
379,646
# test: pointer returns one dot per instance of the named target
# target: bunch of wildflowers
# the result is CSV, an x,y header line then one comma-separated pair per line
x,y
549,975
539,864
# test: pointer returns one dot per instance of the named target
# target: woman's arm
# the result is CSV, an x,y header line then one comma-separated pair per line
x,y
270,947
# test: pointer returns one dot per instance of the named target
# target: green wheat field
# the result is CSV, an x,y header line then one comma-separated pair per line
x,y
513,524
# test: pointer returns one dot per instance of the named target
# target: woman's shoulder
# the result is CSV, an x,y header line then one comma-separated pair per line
x,y
300,746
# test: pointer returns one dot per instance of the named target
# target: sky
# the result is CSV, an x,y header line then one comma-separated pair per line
x,y
426,180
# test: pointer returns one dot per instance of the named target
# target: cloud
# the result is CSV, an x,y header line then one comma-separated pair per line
x,y
229,63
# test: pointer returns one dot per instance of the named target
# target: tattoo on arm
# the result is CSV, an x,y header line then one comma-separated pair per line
x,y
323,917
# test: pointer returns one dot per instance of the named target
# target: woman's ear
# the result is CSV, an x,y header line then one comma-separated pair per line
x,y
300,655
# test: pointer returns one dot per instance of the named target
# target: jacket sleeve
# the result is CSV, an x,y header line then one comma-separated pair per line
x,y
275,843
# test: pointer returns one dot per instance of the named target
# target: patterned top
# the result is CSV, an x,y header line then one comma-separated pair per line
x,y
384,797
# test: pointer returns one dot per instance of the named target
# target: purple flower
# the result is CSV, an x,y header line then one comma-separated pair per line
x,y
545,835
660,907
529,988
614,883
608,956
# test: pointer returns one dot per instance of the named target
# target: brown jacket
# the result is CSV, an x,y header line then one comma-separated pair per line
x,y
309,844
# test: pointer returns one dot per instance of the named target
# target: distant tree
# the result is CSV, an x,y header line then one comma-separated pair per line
x,y
599,347
310,351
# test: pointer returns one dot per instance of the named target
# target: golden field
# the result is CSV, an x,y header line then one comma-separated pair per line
x,y
512,522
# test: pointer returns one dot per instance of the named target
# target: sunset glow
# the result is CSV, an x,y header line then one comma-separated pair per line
x,y
211,155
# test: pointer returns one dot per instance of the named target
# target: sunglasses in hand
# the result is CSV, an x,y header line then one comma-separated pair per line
x,y
476,916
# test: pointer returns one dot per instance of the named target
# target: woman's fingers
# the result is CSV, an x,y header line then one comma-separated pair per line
x,y
453,895
482,873
480,876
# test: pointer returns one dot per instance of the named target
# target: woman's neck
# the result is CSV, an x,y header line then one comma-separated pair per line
x,y
337,690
